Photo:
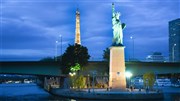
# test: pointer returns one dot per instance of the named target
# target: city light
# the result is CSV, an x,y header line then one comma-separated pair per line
x,y
173,48
72,74
56,50
132,38
128,74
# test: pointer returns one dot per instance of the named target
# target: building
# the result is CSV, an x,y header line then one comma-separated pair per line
x,y
77,30
174,40
155,57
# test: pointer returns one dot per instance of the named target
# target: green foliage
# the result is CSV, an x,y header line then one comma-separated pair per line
x,y
78,81
149,79
106,55
74,54
75,68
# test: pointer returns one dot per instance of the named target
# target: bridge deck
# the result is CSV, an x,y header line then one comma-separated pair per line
x,y
54,68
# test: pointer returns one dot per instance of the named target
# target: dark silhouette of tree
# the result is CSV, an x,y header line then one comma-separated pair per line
x,y
106,55
74,54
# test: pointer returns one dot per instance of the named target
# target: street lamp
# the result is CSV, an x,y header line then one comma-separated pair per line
x,y
128,75
56,47
133,46
72,74
61,45
147,85
88,84
93,74
173,52
56,50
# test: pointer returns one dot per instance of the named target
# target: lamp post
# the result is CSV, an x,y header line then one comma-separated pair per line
x,y
56,50
93,74
147,85
133,46
128,75
88,84
156,75
61,45
56,47
173,52
93,81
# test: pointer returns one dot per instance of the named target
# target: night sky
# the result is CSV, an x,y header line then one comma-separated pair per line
x,y
30,28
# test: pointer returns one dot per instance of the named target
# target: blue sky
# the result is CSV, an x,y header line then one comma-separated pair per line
x,y
29,28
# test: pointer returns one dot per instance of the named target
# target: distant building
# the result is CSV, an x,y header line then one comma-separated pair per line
x,y
174,40
155,57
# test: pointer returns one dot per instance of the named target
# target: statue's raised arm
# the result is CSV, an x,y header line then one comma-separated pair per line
x,y
113,10
117,28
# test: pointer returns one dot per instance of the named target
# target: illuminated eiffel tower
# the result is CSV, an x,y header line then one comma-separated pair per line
x,y
77,32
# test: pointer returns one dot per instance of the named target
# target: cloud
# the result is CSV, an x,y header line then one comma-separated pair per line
x,y
148,14
35,25
26,52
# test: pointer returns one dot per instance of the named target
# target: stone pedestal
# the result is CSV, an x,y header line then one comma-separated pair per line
x,y
117,79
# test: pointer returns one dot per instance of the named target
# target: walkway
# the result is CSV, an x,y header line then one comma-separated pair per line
x,y
106,95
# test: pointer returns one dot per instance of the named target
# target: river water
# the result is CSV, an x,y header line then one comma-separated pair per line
x,y
26,92
32,92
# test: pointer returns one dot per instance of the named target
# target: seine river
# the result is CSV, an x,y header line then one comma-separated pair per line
x,y
32,92
26,92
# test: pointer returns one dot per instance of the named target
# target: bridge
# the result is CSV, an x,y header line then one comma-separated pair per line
x,y
139,68
31,68
54,68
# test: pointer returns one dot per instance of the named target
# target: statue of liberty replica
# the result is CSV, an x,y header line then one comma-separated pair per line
x,y
117,28
117,79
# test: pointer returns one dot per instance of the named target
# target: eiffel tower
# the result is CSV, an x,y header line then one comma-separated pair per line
x,y
77,32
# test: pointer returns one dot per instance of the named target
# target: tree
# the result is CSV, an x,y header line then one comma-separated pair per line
x,y
78,81
149,79
106,55
75,68
74,54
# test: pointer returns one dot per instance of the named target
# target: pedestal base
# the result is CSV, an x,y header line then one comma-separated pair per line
x,y
117,79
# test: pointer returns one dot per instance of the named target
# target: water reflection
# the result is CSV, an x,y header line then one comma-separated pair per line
x,y
26,92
